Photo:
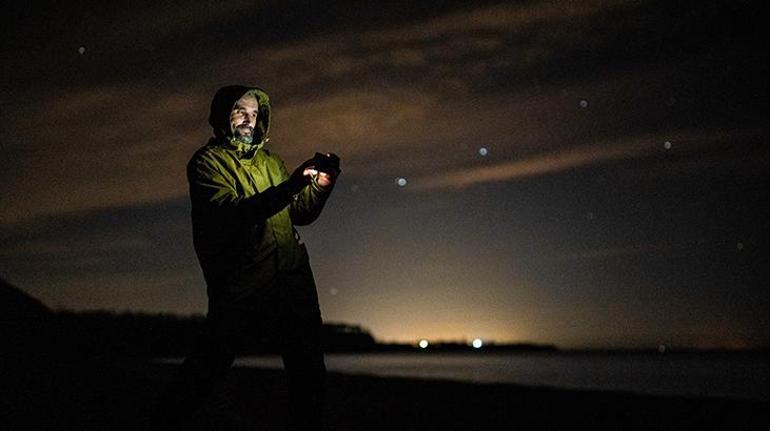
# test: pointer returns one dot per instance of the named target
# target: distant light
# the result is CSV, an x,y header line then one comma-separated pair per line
x,y
423,344
82,50
662,348
483,151
584,103
667,145
401,181
477,343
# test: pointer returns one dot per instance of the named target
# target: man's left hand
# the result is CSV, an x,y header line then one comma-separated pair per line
x,y
322,178
326,169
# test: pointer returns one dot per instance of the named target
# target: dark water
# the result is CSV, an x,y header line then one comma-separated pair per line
x,y
712,375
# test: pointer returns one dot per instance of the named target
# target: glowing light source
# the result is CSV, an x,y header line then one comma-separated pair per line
x,y
667,145
401,181
483,151
477,343
584,103
423,344
82,50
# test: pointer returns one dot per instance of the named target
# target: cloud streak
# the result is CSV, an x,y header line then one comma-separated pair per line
x,y
566,159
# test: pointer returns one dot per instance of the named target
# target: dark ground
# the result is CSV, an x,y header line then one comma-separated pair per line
x,y
111,394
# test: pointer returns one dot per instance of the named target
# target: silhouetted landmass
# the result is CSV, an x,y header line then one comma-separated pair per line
x,y
155,335
340,337
28,327
16,305
92,371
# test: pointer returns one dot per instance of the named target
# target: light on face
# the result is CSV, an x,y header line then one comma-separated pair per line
x,y
243,117
477,343
423,344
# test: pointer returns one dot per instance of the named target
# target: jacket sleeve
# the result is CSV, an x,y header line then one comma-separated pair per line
x,y
307,205
213,194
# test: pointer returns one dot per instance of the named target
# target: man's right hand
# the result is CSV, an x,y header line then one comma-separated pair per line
x,y
301,176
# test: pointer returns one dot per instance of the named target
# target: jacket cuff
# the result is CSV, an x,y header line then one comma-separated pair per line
x,y
317,187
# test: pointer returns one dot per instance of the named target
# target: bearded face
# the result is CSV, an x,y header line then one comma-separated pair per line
x,y
243,118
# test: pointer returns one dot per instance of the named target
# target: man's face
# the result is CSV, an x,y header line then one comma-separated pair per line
x,y
243,117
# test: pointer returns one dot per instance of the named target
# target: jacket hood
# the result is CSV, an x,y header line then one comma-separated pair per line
x,y
222,105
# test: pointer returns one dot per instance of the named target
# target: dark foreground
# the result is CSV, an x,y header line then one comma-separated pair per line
x,y
116,395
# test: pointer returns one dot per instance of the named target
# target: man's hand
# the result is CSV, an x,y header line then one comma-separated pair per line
x,y
323,168
301,176
326,169
322,178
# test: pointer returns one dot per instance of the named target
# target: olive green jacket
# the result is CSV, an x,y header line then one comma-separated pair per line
x,y
243,214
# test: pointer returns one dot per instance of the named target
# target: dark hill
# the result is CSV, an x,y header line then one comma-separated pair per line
x,y
15,304
26,325
29,329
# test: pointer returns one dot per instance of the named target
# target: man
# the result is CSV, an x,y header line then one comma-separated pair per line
x,y
244,208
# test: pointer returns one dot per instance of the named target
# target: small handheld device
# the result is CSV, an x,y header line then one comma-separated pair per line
x,y
327,163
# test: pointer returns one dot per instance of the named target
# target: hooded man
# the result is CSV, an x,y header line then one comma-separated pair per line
x,y
259,282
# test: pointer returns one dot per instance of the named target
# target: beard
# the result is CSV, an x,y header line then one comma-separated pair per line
x,y
244,133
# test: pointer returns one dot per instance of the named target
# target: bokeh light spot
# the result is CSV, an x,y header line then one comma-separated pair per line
x,y
401,181
477,343
423,344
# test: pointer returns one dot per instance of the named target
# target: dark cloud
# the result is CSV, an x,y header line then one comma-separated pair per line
x,y
511,76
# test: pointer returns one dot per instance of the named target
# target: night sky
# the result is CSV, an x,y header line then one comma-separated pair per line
x,y
587,174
